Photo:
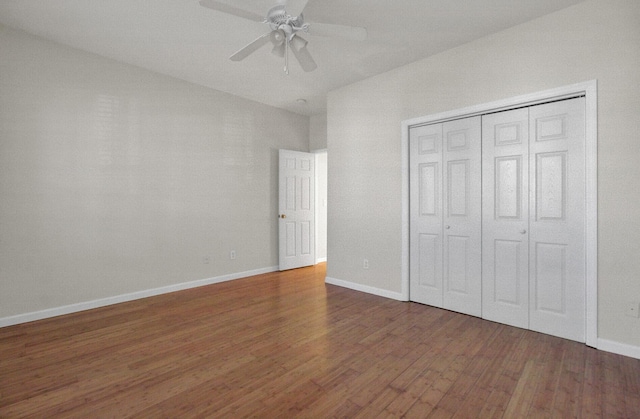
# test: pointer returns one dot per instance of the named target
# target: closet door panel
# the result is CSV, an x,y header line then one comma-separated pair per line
x,y
462,275
557,272
507,286
425,173
505,219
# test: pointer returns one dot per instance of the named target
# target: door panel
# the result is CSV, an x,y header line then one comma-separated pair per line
x,y
290,239
550,278
508,188
462,276
457,188
428,188
551,185
429,254
507,273
457,250
425,166
557,275
296,204
505,224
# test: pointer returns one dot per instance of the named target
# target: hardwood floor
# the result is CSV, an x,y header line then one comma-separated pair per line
x,y
287,345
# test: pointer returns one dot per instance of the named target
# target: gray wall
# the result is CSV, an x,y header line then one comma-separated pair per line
x,y
318,132
114,179
598,39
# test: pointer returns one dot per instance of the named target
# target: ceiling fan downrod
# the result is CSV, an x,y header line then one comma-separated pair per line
x,y
286,57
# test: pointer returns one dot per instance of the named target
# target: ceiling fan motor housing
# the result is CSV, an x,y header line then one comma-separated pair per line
x,y
279,19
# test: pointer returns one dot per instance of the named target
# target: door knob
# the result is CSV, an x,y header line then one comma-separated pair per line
x,y
448,227
523,231
283,216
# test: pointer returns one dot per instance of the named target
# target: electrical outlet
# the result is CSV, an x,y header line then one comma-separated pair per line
x,y
232,254
633,309
206,260
365,264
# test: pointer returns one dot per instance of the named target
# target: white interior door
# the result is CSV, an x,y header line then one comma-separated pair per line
x,y
557,219
505,224
296,209
462,240
425,168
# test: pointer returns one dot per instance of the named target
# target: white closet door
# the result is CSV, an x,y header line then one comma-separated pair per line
x,y
462,244
505,190
557,207
533,218
425,167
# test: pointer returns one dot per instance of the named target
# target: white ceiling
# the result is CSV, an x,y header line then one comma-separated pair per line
x,y
184,40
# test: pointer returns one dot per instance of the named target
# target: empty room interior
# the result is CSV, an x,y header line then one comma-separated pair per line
x,y
319,208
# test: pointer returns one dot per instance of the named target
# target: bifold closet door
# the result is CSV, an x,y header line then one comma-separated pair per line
x,y
425,207
533,218
462,212
505,225
557,213
445,215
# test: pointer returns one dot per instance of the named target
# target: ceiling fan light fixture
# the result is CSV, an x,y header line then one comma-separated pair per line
x,y
278,41
277,37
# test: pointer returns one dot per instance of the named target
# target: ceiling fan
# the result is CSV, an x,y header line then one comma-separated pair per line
x,y
285,31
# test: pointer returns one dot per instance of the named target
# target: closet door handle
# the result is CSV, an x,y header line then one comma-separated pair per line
x,y
448,227
523,231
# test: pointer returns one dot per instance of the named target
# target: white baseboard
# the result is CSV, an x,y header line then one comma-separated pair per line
x,y
88,305
365,288
320,260
619,348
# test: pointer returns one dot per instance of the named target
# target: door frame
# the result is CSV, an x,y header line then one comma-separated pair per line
x,y
587,89
319,205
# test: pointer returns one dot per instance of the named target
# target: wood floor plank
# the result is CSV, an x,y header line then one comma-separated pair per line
x,y
529,379
592,382
286,344
614,386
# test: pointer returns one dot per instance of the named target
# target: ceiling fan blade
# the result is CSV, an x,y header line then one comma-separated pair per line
x,y
251,48
300,51
353,33
225,8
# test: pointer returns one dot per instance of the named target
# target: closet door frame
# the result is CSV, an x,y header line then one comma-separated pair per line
x,y
589,91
